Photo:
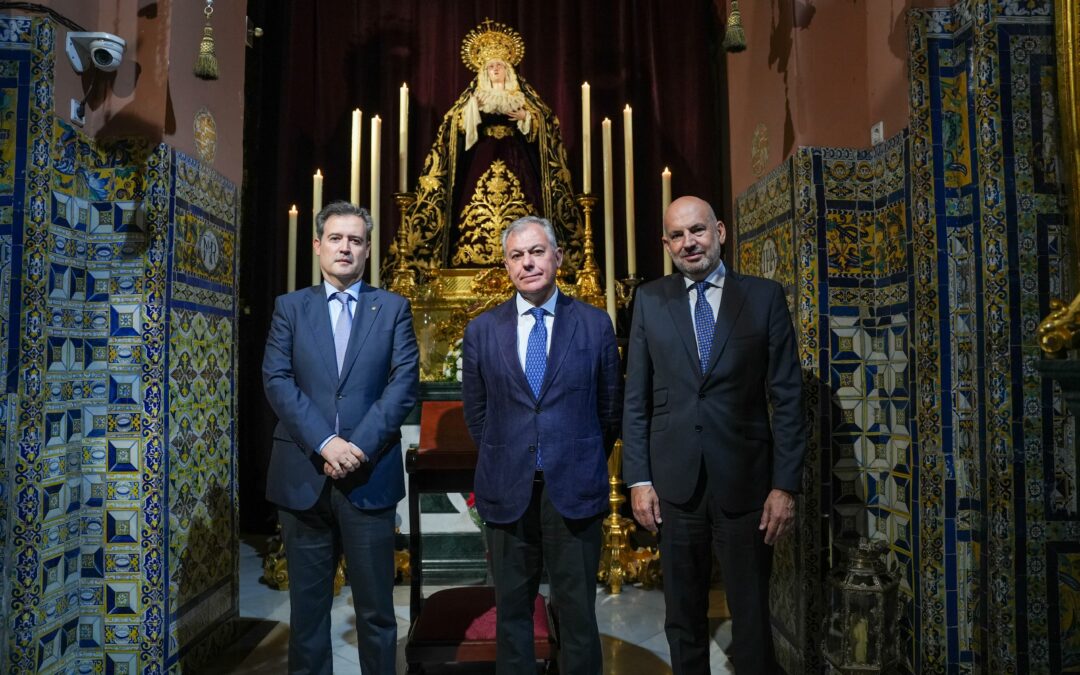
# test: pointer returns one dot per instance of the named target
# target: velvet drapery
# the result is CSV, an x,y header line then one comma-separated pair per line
x,y
318,60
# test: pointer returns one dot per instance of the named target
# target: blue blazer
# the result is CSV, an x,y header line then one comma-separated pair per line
x,y
377,388
575,420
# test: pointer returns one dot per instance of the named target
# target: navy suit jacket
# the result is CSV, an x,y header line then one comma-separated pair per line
x,y
377,388
575,420
674,416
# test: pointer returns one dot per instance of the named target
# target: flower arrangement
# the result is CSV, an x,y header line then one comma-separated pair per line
x,y
451,370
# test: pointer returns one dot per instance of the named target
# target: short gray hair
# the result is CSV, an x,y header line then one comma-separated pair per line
x,y
342,208
525,221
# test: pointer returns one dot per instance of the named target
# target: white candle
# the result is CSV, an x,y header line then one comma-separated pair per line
x,y
316,206
665,201
609,223
628,159
354,157
586,140
290,275
403,139
376,138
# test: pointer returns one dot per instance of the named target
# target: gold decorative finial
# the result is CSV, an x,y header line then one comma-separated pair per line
x,y
491,40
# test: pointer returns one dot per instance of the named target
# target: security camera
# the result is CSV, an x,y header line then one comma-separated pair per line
x,y
103,51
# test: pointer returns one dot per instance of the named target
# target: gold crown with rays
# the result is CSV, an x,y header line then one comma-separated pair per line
x,y
491,40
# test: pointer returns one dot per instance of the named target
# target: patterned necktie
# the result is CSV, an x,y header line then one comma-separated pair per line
x,y
704,324
536,352
342,328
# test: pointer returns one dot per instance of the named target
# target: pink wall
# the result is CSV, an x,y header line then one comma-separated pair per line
x,y
154,94
816,72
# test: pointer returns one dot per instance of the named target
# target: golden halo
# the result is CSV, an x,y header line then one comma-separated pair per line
x,y
491,40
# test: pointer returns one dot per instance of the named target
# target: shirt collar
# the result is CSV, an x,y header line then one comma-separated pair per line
x,y
353,291
523,305
714,279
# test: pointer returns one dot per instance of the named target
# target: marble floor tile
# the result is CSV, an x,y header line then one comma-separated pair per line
x,y
631,626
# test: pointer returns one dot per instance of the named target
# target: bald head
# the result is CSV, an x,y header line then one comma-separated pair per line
x,y
693,236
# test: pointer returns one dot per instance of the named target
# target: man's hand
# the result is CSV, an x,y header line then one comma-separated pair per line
x,y
646,506
777,516
341,457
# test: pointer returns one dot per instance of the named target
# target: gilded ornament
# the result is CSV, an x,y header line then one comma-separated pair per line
x,y
759,149
205,135
492,40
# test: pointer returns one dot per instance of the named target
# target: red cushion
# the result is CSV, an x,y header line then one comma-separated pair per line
x,y
458,625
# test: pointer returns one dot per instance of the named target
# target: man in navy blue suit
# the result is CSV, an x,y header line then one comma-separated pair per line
x,y
542,394
713,436
341,371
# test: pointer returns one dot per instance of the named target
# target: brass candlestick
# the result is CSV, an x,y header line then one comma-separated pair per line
x,y
588,280
404,279
619,563
624,290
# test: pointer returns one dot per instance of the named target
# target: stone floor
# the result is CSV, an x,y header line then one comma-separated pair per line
x,y
631,626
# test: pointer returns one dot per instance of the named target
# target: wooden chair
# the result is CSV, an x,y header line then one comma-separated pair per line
x,y
454,625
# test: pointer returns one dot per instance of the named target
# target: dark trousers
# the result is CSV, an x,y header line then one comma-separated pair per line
x,y
745,562
570,550
314,539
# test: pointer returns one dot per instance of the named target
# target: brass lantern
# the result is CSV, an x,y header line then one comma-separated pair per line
x,y
861,632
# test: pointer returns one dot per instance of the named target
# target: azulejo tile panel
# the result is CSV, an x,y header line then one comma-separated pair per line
x,y
117,479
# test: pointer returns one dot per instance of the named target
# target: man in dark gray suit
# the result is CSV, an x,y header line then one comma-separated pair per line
x,y
710,352
542,393
341,371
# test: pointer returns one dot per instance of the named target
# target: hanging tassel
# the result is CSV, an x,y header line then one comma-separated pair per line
x,y
734,37
206,65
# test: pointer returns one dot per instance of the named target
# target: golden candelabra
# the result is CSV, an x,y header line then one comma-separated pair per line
x,y
588,279
276,568
624,290
619,563
404,280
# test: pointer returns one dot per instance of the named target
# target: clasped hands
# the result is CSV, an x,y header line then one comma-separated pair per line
x,y
341,457
777,515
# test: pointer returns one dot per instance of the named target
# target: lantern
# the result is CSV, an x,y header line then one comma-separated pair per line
x,y
861,632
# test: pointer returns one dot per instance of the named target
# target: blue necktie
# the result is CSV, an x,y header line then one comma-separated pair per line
x,y
536,362
704,324
342,328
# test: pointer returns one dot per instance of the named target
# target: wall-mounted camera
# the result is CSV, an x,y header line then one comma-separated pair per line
x,y
103,51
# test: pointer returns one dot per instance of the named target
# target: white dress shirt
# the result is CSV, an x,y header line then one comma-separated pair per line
x,y
526,323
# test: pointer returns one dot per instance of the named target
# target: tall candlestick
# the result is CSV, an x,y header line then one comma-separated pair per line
x,y
290,266
609,223
586,140
354,157
628,158
376,144
316,206
665,201
403,139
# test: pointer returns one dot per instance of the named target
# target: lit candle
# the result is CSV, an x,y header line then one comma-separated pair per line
x,y
609,223
290,275
586,140
316,206
665,201
628,158
403,139
376,137
354,157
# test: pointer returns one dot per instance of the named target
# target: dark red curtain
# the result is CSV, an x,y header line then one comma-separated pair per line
x,y
318,60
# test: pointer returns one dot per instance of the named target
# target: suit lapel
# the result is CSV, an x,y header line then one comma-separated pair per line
x,y
678,304
731,302
368,306
565,325
507,339
318,319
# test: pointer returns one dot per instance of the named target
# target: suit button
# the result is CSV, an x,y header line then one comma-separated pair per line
x,y
697,428
537,410
532,448
701,396
340,396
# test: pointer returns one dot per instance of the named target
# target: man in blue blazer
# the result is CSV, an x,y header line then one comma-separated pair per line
x,y
713,436
341,371
542,392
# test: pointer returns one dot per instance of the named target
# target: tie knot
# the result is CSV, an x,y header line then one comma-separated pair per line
x,y
342,297
700,287
538,313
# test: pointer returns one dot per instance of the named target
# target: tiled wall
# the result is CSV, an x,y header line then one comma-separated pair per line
x,y
118,493
919,271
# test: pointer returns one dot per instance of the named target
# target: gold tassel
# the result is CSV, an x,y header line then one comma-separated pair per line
x,y
734,37
206,66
